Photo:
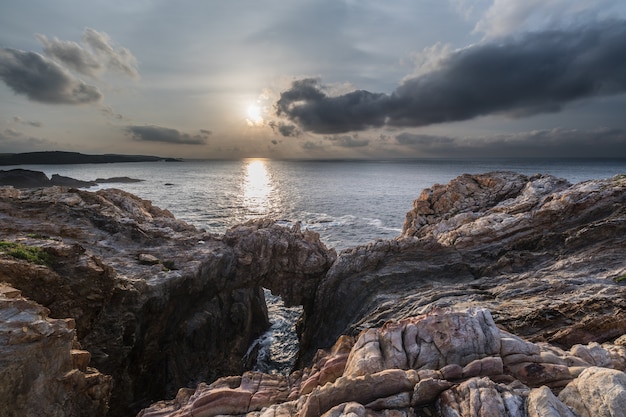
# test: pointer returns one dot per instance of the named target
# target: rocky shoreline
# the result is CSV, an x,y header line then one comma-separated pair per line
x,y
26,178
504,296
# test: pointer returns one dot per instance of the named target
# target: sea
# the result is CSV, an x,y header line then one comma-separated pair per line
x,y
348,202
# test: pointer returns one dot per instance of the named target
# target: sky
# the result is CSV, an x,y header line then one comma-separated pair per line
x,y
314,78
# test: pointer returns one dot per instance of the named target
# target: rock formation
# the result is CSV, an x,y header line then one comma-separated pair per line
x,y
157,303
42,371
544,256
25,178
430,323
447,362
504,296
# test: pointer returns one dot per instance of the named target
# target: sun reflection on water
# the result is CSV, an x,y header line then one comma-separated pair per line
x,y
257,188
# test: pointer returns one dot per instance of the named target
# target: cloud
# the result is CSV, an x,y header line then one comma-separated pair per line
x,y
285,129
166,135
347,141
117,59
108,112
95,55
72,55
424,141
535,73
309,107
504,17
43,80
32,123
554,143
311,146
15,141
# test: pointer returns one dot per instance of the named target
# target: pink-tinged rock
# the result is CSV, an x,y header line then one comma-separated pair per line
x,y
597,392
488,366
543,403
431,341
481,397
40,373
537,374
360,389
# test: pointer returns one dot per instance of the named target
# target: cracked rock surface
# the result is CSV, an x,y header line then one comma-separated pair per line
x,y
504,296
158,304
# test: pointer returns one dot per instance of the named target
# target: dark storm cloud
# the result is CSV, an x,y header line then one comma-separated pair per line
x,y
555,143
43,80
309,107
285,129
518,76
167,135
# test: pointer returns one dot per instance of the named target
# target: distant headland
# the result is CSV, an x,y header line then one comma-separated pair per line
x,y
60,158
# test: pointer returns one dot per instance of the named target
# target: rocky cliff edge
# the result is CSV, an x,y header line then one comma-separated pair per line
x,y
503,297
158,304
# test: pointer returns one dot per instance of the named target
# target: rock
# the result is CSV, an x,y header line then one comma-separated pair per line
x,y
24,178
431,342
543,403
40,373
509,242
60,180
124,180
481,397
503,292
158,304
597,392
389,371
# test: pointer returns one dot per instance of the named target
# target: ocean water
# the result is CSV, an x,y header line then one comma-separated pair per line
x,y
347,202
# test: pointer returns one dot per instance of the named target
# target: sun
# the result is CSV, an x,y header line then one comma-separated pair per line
x,y
255,115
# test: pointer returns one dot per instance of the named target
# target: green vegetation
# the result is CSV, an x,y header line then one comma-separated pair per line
x,y
621,278
28,253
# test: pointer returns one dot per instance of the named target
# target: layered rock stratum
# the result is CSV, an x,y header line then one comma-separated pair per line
x,y
502,297
158,304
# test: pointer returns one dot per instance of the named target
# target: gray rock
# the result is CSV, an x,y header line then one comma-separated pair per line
x,y
512,243
154,326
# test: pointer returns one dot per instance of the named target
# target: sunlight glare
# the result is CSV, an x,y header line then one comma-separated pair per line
x,y
257,187
255,116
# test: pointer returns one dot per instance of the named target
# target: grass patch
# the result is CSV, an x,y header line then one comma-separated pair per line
x,y
28,253
621,278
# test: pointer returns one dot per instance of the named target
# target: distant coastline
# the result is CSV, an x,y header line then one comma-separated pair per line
x,y
62,158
